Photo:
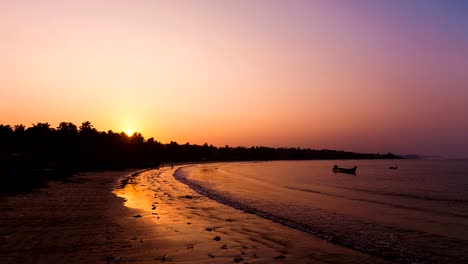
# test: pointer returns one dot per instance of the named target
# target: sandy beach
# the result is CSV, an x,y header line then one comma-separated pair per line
x,y
151,219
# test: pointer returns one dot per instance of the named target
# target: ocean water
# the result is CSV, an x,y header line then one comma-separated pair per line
x,y
415,214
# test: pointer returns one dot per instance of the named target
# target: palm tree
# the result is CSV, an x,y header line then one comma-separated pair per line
x,y
86,126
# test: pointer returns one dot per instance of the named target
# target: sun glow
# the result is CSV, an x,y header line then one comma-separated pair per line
x,y
129,132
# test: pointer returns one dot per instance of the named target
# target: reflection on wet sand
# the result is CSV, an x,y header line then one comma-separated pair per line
x,y
199,229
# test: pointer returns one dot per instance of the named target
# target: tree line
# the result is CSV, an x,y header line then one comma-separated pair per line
x,y
41,151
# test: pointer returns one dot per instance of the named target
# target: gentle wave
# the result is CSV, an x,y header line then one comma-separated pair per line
x,y
394,205
404,195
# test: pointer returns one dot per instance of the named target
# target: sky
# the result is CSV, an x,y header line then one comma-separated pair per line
x,y
364,76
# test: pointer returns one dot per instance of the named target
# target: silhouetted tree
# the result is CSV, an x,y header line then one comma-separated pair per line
x,y
86,127
40,151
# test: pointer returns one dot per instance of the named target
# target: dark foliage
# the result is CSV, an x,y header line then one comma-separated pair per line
x,y
29,155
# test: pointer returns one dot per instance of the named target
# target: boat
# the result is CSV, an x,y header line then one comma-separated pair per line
x,y
393,167
337,169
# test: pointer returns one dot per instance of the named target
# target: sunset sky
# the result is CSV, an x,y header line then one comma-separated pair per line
x,y
365,76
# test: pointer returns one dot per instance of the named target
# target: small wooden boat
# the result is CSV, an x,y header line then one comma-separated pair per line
x,y
337,169
393,167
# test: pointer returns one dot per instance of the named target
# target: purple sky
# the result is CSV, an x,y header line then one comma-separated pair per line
x,y
366,76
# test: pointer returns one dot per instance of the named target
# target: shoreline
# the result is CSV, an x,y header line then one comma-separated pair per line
x,y
153,218
194,221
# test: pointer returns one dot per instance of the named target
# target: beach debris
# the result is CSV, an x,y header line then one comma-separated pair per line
x,y
209,229
217,238
229,220
211,255
224,247
163,258
188,223
280,257
187,197
254,255
153,207
190,246
137,216
109,258
238,259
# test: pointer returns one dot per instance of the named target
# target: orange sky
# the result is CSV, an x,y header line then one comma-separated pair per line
x,y
323,74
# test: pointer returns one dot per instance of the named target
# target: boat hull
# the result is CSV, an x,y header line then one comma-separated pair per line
x,y
337,169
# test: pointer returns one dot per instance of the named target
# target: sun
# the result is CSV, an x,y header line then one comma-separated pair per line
x,y
129,132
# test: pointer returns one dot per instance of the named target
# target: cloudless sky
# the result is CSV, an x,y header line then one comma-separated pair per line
x,y
365,76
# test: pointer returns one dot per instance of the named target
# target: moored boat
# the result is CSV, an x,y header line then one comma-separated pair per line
x,y
337,169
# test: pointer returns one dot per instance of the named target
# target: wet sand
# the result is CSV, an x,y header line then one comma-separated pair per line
x,y
163,220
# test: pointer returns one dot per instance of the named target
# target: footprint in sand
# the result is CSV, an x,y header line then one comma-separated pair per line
x,y
238,259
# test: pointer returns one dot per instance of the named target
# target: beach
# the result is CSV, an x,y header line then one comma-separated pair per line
x,y
77,221
234,132
151,218
382,212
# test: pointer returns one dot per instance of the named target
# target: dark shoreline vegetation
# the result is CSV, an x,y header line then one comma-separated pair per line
x,y
31,156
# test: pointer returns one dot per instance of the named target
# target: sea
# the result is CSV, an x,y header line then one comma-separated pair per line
x,y
417,213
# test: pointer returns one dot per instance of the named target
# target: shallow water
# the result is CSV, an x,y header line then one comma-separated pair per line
x,y
417,213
